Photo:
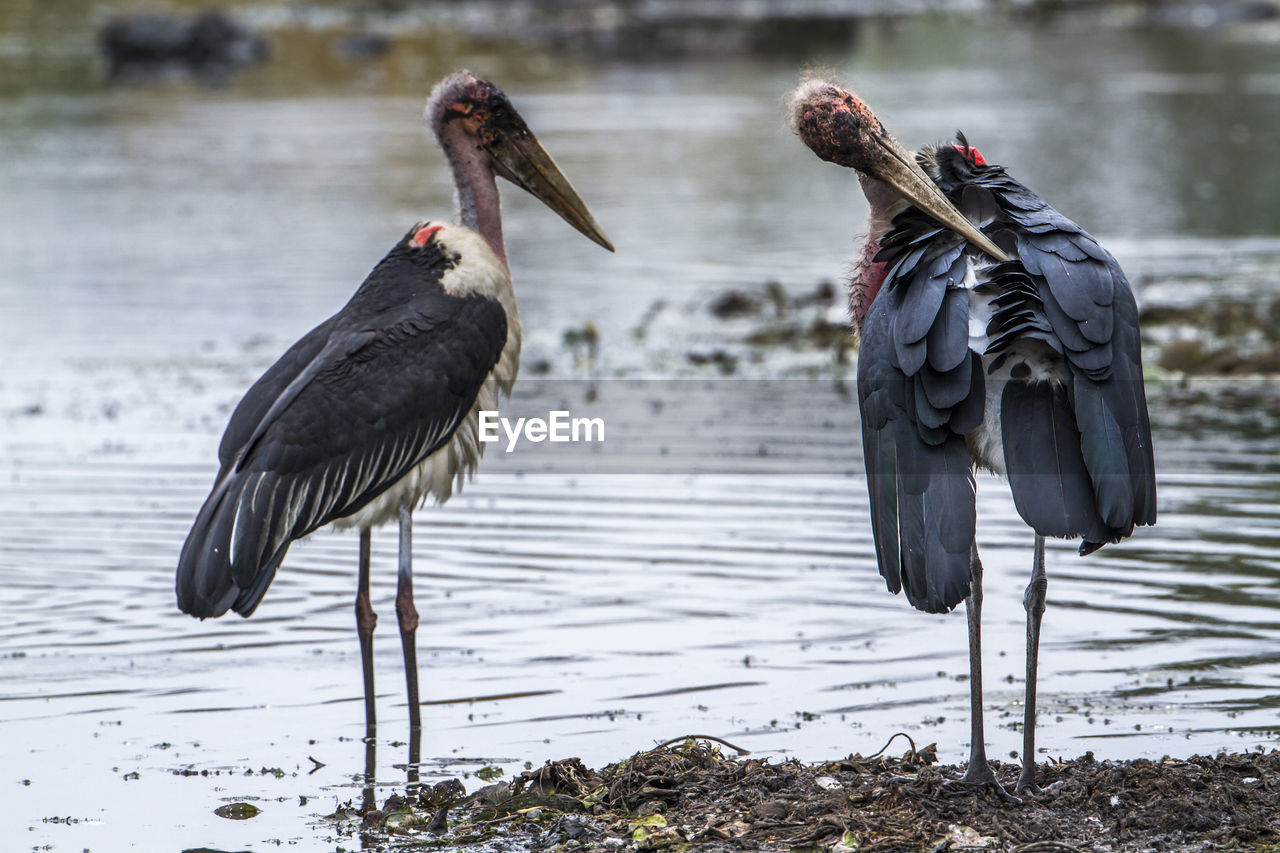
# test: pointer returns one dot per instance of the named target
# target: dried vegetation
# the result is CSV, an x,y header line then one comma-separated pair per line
x,y
694,797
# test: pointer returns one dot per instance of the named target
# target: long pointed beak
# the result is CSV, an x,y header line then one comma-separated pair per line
x,y
900,170
525,163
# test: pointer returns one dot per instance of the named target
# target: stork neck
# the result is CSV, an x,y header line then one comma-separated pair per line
x,y
868,275
868,278
478,205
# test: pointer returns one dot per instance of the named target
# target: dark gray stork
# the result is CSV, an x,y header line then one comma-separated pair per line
x,y
996,333
376,408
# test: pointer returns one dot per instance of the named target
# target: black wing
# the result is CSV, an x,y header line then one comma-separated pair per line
x,y
921,483
345,413
920,390
1077,450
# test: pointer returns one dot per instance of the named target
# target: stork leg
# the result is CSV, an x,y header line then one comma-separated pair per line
x,y
979,771
367,801
1033,600
408,616
366,621
415,759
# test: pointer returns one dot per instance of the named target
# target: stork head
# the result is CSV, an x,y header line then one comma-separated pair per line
x,y
478,110
841,129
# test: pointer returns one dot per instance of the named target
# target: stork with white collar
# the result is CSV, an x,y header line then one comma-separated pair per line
x,y
376,408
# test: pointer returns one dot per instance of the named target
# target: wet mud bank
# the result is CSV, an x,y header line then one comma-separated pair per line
x,y
698,796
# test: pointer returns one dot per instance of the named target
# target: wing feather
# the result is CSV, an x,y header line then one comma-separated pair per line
x,y
376,388
1077,448
1087,466
921,494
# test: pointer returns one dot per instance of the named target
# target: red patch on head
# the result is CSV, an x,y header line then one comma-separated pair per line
x,y
975,156
424,234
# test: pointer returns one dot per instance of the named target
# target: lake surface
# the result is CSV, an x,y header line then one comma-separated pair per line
x,y
161,245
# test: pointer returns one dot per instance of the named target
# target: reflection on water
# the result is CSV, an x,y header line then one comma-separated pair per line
x,y
160,248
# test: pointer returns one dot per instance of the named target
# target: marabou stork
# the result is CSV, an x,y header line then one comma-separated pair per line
x,y
994,333
375,409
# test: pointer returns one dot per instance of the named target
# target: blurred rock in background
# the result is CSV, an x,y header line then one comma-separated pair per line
x,y
210,45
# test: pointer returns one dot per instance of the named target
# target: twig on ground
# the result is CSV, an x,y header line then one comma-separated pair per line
x,y
891,740
737,749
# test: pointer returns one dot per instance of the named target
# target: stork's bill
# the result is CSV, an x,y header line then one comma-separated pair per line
x,y
486,113
841,129
523,161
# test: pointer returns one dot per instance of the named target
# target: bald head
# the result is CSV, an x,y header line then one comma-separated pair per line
x,y
837,126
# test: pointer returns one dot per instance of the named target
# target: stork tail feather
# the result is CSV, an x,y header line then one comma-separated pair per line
x,y
1046,467
222,566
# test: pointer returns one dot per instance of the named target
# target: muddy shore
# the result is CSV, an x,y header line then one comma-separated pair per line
x,y
698,796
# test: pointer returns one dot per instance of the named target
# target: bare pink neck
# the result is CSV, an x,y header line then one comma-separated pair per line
x,y
868,275
479,207
868,278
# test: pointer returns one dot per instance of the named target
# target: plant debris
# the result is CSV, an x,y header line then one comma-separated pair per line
x,y
811,321
1225,338
1221,338
693,797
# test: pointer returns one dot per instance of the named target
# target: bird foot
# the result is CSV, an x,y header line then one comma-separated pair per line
x,y
1027,787
982,776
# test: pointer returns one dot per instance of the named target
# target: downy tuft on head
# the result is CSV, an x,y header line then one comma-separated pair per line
x,y
477,105
836,125
484,137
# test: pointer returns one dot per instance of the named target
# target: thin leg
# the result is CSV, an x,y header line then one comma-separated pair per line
x,y
366,621
368,801
407,614
979,771
1033,600
415,759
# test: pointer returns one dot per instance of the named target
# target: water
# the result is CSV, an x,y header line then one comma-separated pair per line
x,y
162,245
